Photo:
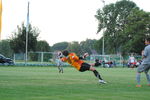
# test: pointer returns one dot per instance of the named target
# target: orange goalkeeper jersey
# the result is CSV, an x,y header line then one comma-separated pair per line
x,y
73,60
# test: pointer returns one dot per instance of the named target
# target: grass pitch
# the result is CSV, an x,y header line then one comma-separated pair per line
x,y
45,83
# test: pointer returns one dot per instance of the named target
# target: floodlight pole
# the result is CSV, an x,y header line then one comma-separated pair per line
x,y
27,31
103,52
103,47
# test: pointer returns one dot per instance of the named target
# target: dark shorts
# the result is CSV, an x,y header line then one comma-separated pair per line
x,y
97,64
84,67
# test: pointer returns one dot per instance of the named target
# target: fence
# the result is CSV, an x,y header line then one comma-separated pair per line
x,y
35,58
116,59
49,58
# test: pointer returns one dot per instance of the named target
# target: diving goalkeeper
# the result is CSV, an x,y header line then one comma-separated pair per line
x,y
79,64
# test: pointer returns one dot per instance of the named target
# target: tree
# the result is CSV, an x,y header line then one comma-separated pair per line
x,y
79,48
74,47
98,46
60,46
18,39
136,30
5,48
42,46
113,17
88,45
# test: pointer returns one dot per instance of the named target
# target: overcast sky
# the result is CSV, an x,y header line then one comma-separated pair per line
x,y
58,20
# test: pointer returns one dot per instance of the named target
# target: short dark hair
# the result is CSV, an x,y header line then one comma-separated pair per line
x,y
65,52
147,39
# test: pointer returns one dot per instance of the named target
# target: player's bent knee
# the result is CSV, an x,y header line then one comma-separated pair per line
x,y
92,68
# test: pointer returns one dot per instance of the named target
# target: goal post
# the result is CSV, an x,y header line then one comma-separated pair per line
x,y
35,57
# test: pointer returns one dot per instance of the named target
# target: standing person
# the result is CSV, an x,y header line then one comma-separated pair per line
x,y
132,61
79,64
97,63
145,66
59,62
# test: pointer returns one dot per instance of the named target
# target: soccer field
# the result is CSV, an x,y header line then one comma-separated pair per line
x,y
45,83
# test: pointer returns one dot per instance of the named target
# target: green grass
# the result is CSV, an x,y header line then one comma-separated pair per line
x,y
45,83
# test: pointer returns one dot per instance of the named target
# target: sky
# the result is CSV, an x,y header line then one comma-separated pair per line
x,y
57,20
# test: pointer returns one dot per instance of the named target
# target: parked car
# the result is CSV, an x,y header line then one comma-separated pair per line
x,y
5,61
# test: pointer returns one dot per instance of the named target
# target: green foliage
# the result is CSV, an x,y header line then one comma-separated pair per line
x,y
136,30
125,27
42,46
5,48
60,46
98,46
18,39
88,45
74,47
36,56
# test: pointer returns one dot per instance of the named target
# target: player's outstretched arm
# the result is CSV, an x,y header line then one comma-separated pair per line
x,y
84,56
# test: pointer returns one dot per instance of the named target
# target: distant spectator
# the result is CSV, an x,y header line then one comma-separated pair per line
x,y
97,63
132,62
103,63
124,63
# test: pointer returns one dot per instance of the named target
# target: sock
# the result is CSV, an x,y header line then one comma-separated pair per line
x,y
97,75
148,77
62,70
59,69
138,78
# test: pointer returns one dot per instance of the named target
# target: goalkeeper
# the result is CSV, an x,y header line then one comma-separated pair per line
x,y
79,64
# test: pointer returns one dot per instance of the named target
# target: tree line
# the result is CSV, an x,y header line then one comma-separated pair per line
x,y
125,27
17,43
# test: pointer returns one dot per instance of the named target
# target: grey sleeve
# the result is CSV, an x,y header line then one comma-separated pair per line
x,y
145,52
